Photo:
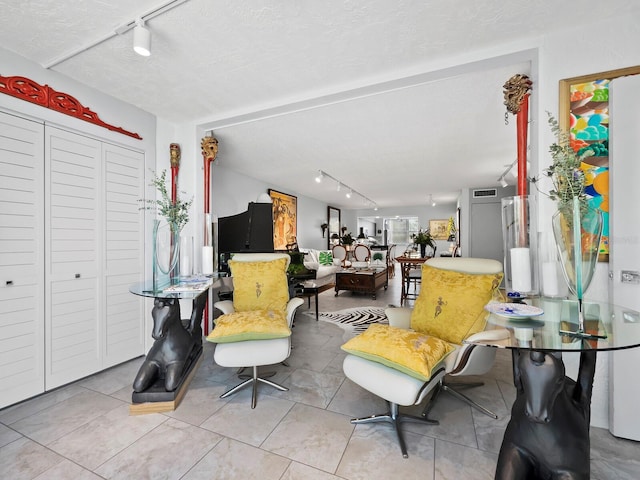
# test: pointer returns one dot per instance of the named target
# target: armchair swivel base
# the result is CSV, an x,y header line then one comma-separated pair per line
x,y
395,418
253,381
448,387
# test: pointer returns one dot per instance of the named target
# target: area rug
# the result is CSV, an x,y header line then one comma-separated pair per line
x,y
355,320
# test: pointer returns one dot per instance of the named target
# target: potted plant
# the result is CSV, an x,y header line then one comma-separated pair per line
x,y
347,239
423,238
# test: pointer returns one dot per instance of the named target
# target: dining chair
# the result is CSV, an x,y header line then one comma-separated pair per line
x,y
340,252
361,256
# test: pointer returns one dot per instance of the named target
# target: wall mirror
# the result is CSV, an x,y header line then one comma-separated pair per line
x,y
333,219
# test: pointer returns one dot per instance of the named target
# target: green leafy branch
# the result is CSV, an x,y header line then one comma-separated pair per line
x,y
176,214
567,177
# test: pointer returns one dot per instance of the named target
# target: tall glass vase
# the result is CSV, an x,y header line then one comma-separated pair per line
x,y
166,251
577,230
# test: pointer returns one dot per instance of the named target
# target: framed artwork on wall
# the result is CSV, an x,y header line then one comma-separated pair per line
x,y
584,115
439,229
285,219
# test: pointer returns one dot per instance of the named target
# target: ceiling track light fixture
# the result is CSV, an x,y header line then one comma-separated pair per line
x,y
122,29
141,39
502,178
350,192
432,201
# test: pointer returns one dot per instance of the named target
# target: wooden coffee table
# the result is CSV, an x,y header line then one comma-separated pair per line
x,y
367,280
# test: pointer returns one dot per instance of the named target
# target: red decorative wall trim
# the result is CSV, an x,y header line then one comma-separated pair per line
x,y
45,96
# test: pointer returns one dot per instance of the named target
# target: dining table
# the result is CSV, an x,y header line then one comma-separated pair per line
x,y
408,262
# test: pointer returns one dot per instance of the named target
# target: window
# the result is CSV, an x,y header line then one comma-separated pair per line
x,y
401,229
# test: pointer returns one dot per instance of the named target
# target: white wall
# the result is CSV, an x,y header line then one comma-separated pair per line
x,y
580,51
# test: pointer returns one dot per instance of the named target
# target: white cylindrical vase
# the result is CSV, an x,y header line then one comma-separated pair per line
x,y
520,246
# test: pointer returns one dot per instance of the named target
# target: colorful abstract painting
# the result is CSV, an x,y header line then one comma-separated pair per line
x,y
589,131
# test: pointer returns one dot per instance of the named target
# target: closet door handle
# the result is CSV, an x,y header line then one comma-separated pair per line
x,y
77,275
9,282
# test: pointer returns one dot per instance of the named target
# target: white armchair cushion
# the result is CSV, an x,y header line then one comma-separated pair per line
x,y
386,382
252,352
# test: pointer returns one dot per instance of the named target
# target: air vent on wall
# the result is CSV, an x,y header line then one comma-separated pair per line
x,y
487,192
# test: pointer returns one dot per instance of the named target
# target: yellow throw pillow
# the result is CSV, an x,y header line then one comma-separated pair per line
x,y
256,325
260,285
413,353
451,304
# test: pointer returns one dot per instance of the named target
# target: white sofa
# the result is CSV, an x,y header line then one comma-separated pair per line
x,y
324,273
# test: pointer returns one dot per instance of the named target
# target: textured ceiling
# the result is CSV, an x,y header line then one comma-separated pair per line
x,y
290,87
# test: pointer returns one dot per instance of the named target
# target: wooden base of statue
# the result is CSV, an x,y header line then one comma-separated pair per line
x,y
157,400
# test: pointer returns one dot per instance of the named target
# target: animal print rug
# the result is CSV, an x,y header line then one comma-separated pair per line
x,y
355,320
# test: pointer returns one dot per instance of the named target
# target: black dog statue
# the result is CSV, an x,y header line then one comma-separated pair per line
x,y
548,435
173,344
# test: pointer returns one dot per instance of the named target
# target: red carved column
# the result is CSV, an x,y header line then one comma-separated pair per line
x,y
209,147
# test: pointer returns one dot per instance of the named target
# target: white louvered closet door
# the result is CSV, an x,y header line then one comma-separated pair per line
x,y
72,255
21,259
123,335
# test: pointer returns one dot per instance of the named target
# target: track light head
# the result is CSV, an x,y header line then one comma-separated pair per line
x,y
348,194
503,182
141,39
319,177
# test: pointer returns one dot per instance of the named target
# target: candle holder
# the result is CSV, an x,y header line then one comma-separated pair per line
x,y
520,246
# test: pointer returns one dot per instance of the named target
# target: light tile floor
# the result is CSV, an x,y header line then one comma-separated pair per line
x,y
84,431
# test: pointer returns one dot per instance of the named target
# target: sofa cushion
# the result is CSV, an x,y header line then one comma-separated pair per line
x,y
325,257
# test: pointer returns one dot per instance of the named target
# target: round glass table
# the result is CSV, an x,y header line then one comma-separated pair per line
x,y
548,434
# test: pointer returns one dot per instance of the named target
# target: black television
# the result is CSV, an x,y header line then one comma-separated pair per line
x,y
247,232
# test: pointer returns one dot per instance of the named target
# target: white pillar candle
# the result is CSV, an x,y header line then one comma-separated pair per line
x,y
550,286
207,260
520,270
186,256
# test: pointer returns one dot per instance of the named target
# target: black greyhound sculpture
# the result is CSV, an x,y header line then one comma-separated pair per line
x,y
174,344
548,435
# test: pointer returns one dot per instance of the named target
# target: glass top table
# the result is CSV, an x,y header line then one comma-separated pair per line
x,y
549,426
619,325
185,290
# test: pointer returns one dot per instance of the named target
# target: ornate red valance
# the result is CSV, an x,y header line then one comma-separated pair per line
x,y
45,96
